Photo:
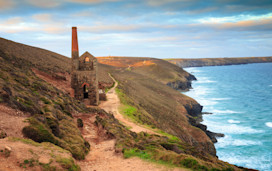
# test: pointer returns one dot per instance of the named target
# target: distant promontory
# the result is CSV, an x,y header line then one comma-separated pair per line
x,y
199,62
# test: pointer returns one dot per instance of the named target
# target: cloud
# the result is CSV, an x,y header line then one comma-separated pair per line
x,y
162,2
16,25
263,24
91,1
107,28
43,17
45,24
13,21
6,4
45,3
231,23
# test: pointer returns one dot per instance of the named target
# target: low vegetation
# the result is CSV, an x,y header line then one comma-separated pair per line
x,y
167,149
51,110
30,155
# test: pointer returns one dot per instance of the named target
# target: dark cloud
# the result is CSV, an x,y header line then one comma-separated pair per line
x,y
158,28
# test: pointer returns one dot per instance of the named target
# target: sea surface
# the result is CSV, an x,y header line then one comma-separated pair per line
x,y
240,98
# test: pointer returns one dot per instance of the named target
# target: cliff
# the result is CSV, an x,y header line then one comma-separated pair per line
x,y
218,61
153,68
34,89
144,85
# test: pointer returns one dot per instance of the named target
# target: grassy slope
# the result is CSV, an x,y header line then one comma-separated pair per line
x,y
149,101
218,61
51,109
156,69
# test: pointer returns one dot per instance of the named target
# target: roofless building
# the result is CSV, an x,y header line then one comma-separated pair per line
x,y
84,79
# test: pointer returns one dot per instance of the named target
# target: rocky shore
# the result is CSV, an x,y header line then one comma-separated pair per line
x,y
194,110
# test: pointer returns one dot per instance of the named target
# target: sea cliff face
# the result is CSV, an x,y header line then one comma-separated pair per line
x,y
218,61
143,92
182,85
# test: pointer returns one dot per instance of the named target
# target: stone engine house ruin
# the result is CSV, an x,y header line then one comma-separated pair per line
x,y
84,81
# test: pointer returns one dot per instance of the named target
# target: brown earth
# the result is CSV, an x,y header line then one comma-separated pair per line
x,y
12,121
112,105
158,105
28,155
103,157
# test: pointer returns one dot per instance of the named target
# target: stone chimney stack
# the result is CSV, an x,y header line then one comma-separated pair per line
x,y
75,53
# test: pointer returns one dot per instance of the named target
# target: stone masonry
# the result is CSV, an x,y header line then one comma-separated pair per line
x,y
84,79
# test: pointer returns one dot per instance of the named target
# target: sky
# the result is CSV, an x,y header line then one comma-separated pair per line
x,y
142,28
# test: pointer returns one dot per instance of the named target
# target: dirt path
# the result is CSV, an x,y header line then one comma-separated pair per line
x,y
103,157
112,104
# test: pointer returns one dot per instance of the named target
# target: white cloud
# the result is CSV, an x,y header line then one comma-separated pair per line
x,y
45,3
43,17
6,4
92,1
236,18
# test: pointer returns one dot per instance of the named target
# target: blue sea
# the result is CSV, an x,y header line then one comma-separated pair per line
x,y
240,98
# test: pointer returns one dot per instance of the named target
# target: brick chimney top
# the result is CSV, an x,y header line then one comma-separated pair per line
x,y
74,40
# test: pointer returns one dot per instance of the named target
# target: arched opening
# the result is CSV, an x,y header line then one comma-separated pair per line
x,y
87,60
85,91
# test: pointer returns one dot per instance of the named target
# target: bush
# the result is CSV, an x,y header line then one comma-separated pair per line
x,y
3,134
79,123
38,134
193,164
68,164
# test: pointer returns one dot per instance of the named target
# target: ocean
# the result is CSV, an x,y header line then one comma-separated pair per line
x,y
240,98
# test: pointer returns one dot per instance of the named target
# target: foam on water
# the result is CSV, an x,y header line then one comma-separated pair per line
x,y
233,121
229,141
230,128
240,101
220,99
269,124
193,70
225,111
256,162
204,80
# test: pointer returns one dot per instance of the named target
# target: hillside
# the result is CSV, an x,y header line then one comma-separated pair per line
x,y
218,61
35,103
153,68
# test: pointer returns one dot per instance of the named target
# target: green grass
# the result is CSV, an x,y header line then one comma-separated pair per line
x,y
136,152
26,141
172,138
128,109
108,88
68,164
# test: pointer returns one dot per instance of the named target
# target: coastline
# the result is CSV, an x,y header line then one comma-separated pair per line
x,y
195,110
201,62
231,116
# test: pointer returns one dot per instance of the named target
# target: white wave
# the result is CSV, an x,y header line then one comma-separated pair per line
x,y
192,70
220,99
204,80
233,121
253,161
229,141
270,85
206,102
269,124
225,111
229,128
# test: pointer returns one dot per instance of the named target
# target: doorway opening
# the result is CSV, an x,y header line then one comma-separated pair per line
x,y
85,92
